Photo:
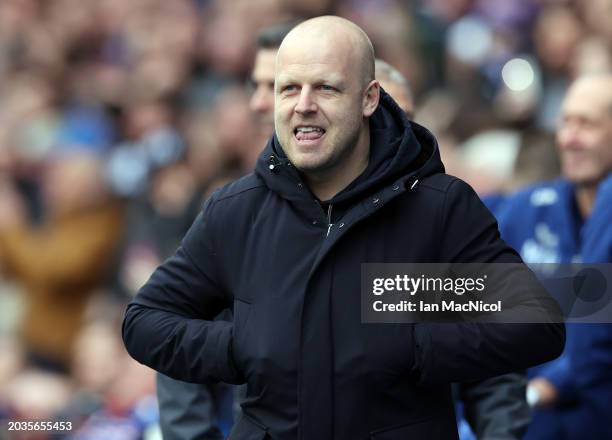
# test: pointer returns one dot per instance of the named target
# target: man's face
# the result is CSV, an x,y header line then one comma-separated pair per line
x,y
262,99
319,109
584,138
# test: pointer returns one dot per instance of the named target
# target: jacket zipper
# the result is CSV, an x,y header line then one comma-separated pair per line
x,y
329,223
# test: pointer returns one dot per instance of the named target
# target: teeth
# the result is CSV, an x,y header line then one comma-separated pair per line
x,y
308,129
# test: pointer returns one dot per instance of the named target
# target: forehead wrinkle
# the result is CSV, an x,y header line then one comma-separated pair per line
x,y
313,68
334,39
313,72
323,50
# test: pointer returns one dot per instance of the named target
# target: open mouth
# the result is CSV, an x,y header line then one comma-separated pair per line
x,y
308,132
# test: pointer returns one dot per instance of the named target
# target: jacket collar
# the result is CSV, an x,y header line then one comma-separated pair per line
x,y
400,150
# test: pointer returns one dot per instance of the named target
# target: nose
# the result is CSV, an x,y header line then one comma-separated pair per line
x,y
305,103
568,136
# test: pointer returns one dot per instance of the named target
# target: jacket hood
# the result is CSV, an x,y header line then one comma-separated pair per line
x,y
399,150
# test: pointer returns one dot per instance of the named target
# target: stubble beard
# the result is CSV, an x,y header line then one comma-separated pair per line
x,y
339,154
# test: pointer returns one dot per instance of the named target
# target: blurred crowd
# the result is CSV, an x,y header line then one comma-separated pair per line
x,y
118,118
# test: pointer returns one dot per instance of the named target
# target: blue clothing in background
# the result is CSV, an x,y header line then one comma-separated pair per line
x,y
597,243
86,127
543,224
494,201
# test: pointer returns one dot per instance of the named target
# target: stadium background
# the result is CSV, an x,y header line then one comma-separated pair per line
x,y
117,118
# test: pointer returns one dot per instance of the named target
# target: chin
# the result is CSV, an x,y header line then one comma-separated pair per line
x,y
309,166
583,180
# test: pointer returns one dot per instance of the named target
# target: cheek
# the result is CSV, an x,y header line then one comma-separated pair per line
x,y
347,116
606,152
598,147
282,114
561,138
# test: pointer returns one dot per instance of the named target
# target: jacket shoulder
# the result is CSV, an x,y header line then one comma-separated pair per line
x,y
237,202
440,182
242,187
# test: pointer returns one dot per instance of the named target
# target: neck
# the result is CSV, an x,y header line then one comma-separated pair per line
x,y
585,198
327,183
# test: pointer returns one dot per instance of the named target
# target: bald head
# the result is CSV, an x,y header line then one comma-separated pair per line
x,y
396,85
597,88
338,34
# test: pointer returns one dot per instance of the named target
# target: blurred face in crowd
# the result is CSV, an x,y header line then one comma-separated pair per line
x,y
400,94
262,99
555,49
322,95
73,182
97,355
585,136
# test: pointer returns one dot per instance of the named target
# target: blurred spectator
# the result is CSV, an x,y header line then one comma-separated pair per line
x,y
235,129
546,223
12,362
115,395
36,395
62,260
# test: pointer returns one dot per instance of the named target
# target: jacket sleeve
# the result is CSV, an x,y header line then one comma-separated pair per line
x,y
496,407
467,351
560,373
170,325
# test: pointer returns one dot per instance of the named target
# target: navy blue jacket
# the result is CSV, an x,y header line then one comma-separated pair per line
x,y
542,221
597,235
291,271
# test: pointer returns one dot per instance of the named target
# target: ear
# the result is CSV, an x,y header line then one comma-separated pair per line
x,y
371,97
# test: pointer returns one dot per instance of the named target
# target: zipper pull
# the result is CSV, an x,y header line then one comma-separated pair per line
x,y
329,223
413,183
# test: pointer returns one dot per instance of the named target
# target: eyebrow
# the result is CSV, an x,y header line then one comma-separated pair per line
x,y
331,77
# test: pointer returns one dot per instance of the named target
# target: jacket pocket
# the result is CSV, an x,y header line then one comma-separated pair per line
x,y
433,428
248,429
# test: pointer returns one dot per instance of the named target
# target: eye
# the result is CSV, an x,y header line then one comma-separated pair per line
x,y
289,88
250,85
327,88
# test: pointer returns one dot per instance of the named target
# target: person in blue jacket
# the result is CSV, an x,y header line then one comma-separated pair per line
x,y
597,237
591,353
346,179
555,222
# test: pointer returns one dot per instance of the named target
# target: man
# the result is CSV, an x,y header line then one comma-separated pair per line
x,y
189,410
496,407
336,186
547,223
597,242
396,85
262,76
